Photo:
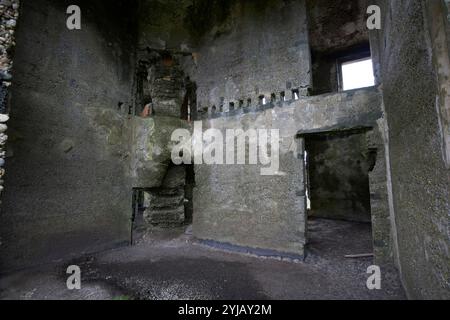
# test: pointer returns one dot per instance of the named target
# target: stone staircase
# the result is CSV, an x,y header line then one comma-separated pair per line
x,y
165,206
167,89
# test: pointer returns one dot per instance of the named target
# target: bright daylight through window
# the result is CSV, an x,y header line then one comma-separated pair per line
x,y
357,74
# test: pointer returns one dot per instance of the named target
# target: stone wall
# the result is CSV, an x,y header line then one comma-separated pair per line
x,y
383,225
337,30
439,29
164,186
233,52
151,149
420,180
67,189
251,49
334,25
165,25
165,206
235,205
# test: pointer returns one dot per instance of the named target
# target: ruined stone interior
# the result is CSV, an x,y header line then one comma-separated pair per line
x,y
88,171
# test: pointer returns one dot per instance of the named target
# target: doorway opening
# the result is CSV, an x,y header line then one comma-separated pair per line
x,y
189,105
338,192
165,208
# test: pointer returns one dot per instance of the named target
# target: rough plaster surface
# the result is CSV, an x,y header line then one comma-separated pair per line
x,y
162,24
382,225
67,187
438,22
236,205
420,180
240,58
337,30
338,24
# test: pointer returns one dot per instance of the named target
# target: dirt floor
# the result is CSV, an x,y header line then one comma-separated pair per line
x,y
172,265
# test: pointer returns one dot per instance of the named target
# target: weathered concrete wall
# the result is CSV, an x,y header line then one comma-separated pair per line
x,y
232,53
234,204
151,149
251,49
164,24
337,29
165,86
334,25
438,22
67,189
338,175
382,223
420,179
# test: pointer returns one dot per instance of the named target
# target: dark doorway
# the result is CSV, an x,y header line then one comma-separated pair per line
x,y
167,207
338,190
137,220
189,106
338,180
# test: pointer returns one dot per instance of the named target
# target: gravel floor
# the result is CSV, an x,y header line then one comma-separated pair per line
x,y
171,265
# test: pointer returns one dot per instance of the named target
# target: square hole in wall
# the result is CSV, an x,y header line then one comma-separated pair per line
x,y
357,74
